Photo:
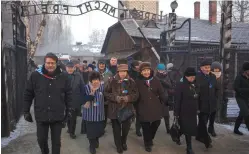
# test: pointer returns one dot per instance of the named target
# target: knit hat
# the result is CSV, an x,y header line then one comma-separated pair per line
x,y
161,67
216,65
122,67
70,64
144,65
205,63
91,65
169,66
245,66
190,71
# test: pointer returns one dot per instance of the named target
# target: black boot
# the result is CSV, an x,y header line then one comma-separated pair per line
x,y
211,131
120,150
92,150
97,143
73,136
138,133
238,122
189,144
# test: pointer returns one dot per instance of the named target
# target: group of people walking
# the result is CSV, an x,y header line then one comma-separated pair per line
x,y
118,93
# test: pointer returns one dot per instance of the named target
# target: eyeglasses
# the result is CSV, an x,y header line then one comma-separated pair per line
x,y
50,63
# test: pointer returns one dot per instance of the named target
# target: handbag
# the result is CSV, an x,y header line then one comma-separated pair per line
x,y
124,114
175,132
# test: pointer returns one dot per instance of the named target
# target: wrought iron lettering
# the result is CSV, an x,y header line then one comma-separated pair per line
x,y
85,8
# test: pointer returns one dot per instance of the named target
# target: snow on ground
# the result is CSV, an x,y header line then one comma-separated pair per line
x,y
242,128
22,128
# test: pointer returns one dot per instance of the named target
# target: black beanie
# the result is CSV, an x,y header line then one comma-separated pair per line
x,y
246,66
205,63
190,71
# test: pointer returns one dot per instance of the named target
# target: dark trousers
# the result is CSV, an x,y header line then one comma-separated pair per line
x,y
188,139
202,127
211,121
239,121
120,132
106,111
138,125
94,143
71,123
166,121
83,126
42,136
149,131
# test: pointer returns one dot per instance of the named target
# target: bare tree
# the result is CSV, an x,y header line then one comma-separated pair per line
x,y
32,44
240,10
97,37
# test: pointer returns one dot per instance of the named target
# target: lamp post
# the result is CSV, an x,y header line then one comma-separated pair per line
x,y
173,5
172,23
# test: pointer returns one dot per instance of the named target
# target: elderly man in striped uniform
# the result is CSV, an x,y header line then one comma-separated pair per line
x,y
93,110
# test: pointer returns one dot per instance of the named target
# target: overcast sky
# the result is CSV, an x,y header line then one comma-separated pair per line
x,y
82,26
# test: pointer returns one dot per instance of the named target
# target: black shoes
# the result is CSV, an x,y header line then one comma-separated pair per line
x,y
168,130
212,132
148,149
238,132
190,151
125,147
92,150
138,133
120,150
73,136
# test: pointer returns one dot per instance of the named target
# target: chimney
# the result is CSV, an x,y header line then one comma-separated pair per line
x,y
197,10
212,11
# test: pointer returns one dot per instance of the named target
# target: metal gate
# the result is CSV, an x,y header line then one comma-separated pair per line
x,y
14,74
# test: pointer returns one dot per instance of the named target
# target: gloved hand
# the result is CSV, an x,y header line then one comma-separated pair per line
x,y
28,117
119,99
125,99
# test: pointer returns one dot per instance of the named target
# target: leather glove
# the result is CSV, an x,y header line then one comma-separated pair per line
x,y
125,99
28,117
119,99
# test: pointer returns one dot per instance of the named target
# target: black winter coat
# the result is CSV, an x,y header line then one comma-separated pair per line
x,y
52,96
77,85
166,84
241,87
186,106
209,92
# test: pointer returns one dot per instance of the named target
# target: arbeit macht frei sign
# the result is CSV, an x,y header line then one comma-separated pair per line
x,y
85,8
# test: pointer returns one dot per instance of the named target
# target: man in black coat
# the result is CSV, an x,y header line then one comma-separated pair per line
x,y
241,87
134,73
52,93
208,95
77,84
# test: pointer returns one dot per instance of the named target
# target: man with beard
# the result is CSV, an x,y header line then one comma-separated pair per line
x,y
77,84
241,87
134,73
52,92
105,75
208,97
113,65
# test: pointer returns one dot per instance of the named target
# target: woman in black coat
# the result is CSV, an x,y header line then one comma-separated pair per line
x,y
186,106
